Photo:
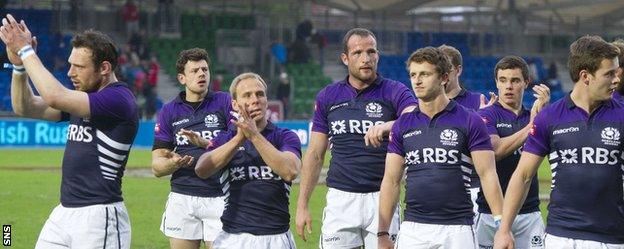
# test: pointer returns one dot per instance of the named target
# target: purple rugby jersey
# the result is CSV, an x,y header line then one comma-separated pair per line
x,y
437,157
470,100
585,155
256,197
98,147
617,96
210,118
345,115
503,123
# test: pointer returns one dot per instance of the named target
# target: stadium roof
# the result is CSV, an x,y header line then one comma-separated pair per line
x,y
561,11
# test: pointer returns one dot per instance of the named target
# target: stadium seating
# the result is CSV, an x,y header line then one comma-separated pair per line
x,y
51,47
308,80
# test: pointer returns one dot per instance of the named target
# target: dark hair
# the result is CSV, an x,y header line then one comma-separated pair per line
x,y
102,47
432,55
512,62
355,31
619,43
193,54
454,55
587,53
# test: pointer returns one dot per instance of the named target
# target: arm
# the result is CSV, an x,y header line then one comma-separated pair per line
x,y
310,170
26,104
389,195
211,162
486,169
375,134
16,36
516,194
165,162
284,163
503,147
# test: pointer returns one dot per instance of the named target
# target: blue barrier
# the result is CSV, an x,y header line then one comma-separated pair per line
x,y
30,133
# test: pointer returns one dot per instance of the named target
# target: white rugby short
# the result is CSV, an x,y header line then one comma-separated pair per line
x,y
192,218
245,240
95,226
424,236
528,231
351,220
555,242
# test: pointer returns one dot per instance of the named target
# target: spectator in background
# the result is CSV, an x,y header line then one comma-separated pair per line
x,y
130,15
279,51
215,85
321,41
298,51
552,71
533,70
283,93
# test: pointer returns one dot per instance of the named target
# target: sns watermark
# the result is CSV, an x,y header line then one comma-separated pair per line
x,y
6,235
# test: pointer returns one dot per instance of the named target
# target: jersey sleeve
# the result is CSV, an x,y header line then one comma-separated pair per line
x,y
478,138
538,141
162,129
319,121
489,120
404,98
290,142
112,102
396,139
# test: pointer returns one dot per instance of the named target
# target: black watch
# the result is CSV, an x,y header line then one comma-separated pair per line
x,y
383,233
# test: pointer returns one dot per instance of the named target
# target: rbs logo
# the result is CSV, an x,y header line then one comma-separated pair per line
x,y
183,140
353,126
431,155
79,133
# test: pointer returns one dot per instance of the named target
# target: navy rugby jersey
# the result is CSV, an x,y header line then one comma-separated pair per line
x,y
503,123
585,155
345,115
437,157
256,197
98,147
209,119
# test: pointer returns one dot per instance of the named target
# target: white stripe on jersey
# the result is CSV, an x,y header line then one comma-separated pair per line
x,y
109,178
109,174
109,162
466,170
553,155
107,169
466,158
110,142
553,166
110,153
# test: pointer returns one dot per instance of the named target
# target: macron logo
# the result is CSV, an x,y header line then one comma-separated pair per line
x,y
566,130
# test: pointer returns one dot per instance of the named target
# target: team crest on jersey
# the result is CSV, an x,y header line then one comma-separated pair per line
x,y
373,110
211,120
448,137
338,127
610,136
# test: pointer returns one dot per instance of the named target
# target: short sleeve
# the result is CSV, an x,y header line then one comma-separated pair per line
x,y
162,129
478,138
404,98
113,102
290,142
396,139
319,121
489,119
538,141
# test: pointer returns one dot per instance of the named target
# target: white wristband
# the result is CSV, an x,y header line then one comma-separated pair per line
x,y
25,51
18,70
